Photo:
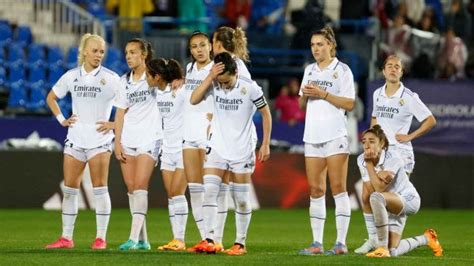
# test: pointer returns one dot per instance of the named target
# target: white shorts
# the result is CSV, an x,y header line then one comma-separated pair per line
x,y
408,158
411,205
171,161
328,148
84,155
151,149
214,160
197,144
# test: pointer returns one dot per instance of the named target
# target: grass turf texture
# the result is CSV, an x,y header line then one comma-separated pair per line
x,y
275,236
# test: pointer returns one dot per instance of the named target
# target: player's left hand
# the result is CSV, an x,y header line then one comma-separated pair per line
x,y
264,153
105,126
177,83
402,138
313,91
385,176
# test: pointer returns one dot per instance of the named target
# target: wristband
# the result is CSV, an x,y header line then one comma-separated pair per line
x,y
60,118
325,96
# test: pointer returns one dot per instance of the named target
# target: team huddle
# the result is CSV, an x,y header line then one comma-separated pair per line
x,y
197,123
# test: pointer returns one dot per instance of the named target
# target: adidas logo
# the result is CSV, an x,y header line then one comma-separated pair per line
x,y
75,80
310,73
341,146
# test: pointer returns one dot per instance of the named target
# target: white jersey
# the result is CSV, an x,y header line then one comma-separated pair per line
x,y
232,131
142,120
324,121
171,104
389,161
395,113
93,96
195,116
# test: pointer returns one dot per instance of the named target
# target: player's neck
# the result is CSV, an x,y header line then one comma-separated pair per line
x,y
391,88
138,72
162,85
89,68
202,64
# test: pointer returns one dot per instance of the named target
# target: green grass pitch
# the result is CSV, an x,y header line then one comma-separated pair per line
x,y
275,236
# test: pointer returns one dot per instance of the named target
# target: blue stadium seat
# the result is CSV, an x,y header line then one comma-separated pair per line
x,y
3,79
18,97
3,56
71,58
24,35
37,101
16,74
37,73
6,34
16,55
36,55
114,55
55,56
97,10
54,74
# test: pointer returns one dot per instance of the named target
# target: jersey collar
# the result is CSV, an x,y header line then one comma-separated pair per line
x,y
83,72
332,65
398,93
206,67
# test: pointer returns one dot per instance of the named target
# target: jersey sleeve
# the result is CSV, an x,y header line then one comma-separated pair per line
x,y
347,84
61,87
418,108
364,175
256,95
305,80
120,99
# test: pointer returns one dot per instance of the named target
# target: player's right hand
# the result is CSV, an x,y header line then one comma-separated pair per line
x,y
119,153
70,121
216,70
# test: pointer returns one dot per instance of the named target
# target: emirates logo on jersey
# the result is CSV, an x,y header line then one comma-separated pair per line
x,y
401,102
102,81
334,76
243,91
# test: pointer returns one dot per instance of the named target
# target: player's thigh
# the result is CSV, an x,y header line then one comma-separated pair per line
x,y
99,169
241,178
72,170
145,166
167,180
227,177
316,170
337,172
193,160
128,172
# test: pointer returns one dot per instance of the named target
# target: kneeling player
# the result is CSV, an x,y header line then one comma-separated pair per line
x,y
392,197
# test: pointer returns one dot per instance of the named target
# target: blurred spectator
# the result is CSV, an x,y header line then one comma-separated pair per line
x,y
459,19
437,8
287,103
237,13
428,21
165,8
215,12
190,10
306,20
414,10
130,12
397,40
452,57
402,10
268,16
351,9
470,59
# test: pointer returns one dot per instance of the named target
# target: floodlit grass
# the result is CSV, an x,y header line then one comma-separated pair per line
x,y
275,237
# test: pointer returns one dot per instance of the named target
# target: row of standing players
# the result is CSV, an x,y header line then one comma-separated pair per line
x,y
203,134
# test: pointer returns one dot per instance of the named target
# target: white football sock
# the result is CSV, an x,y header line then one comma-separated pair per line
x,y
172,216
377,202
103,208
140,209
180,216
209,207
243,211
196,194
408,244
69,210
317,215
370,225
343,216
222,207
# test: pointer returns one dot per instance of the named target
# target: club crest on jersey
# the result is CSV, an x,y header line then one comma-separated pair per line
x,y
102,81
243,91
334,76
401,102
